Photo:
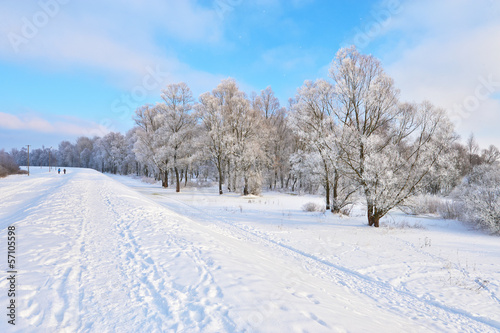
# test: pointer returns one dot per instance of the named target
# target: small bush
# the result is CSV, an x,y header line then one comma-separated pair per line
x,y
403,225
148,180
480,194
451,210
255,183
199,183
3,172
313,207
422,204
346,211
7,165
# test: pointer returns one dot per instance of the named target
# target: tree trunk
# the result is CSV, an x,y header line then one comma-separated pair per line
x,y
186,178
370,214
229,175
327,198
335,206
373,216
234,181
164,182
177,180
245,188
219,166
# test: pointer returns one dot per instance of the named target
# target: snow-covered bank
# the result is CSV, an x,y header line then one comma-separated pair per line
x,y
96,255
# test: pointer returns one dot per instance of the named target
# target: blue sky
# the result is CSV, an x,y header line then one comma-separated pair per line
x,y
70,68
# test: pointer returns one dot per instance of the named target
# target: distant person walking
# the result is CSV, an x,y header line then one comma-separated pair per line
x,y
59,170
64,171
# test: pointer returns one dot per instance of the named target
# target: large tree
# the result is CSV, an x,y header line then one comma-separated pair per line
x,y
387,147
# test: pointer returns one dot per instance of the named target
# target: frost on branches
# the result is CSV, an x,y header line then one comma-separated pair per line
x,y
480,194
165,133
233,135
312,121
389,148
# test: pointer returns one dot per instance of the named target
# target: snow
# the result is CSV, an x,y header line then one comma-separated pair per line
x,y
112,254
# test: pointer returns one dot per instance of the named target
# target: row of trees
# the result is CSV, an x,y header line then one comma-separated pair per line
x,y
349,137
111,153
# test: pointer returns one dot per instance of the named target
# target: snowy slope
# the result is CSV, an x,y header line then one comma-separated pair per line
x,y
96,255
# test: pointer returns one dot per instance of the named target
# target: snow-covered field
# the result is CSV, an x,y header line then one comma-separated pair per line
x,y
112,254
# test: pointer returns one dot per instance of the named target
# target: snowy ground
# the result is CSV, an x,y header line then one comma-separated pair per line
x,y
104,254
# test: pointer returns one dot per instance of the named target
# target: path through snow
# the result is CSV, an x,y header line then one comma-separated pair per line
x,y
95,255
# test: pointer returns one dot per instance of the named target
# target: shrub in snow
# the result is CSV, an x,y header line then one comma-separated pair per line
x,y
430,204
313,207
199,183
7,164
148,180
421,204
451,210
403,225
480,194
255,183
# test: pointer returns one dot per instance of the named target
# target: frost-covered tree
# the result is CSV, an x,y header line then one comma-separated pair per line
x,y
472,147
267,103
233,137
67,155
276,134
148,147
387,147
313,121
130,163
279,147
111,152
212,118
444,175
247,140
20,156
177,126
490,155
164,138
480,194
84,146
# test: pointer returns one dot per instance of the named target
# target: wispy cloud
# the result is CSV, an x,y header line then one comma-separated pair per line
x,y
119,39
443,51
71,126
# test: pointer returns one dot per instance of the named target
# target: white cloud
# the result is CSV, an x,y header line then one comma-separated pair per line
x,y
444,51
117,39
67,126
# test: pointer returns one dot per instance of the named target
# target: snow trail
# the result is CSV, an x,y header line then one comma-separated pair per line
x,y
397,300
97,256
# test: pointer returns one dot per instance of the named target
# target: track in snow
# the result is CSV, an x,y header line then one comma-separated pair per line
x,y
100,257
